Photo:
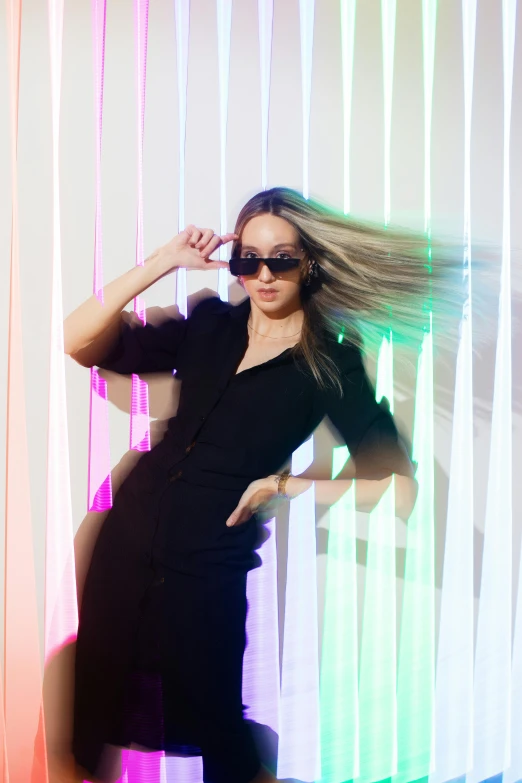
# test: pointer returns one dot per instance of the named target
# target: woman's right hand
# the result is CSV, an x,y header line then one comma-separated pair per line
x,y
192,248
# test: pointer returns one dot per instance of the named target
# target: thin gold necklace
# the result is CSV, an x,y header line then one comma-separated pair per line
x,y
284,337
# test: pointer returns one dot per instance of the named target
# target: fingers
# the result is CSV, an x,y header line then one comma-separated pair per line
x,y
243,512
206,235
194,234
206,248
212,244
217,265
240,515
228,238
233,518
206,241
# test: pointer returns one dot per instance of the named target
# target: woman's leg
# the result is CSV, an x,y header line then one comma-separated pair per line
x,y
205,637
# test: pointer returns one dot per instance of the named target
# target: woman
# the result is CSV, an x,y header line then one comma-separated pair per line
x,y
162,622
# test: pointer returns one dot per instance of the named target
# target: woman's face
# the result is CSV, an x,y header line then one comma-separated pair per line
x,y
269,236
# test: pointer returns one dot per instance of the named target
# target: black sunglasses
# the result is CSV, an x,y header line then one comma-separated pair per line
x,y
249,266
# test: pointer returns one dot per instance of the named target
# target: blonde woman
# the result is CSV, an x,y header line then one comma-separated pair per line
x,y
162,623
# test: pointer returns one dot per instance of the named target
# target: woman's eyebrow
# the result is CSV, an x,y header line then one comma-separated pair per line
x,y
276,247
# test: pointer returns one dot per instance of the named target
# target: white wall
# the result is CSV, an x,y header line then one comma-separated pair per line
x,y
119,182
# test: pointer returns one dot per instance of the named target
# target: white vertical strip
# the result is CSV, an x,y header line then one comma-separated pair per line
x,y
183,770
182,15
416,670
454,679
265,12
388,12
299,740
299,753
306,26
224,20
139,418
377,675
99,480
340,650
261,675
339,686
377,679
61,611
513,773
347,49
492,686
60,601
429,26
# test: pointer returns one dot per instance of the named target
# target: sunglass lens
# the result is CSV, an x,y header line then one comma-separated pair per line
x,y
281,264
243,266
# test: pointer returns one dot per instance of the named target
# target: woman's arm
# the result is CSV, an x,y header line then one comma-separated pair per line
x,y
368,492
92,330
376,448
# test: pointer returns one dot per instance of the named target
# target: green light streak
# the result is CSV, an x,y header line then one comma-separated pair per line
x,y
347,10
416,673
377,680
339,701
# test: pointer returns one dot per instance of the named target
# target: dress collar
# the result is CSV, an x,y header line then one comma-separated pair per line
x,y
239,314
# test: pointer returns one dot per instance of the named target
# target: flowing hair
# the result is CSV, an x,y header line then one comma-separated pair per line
x,y
372,278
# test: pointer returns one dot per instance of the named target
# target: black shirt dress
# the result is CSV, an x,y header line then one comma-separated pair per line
x,y
162,622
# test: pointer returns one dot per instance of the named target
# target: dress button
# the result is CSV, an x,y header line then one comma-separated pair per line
x,y
189,448
175,476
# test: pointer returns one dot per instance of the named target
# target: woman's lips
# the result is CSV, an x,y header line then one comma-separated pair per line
x,y
268,294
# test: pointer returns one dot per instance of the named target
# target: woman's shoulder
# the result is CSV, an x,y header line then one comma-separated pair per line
x,y
208,309
205,303
343,351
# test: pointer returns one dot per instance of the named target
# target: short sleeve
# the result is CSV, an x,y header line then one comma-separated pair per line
x,y
366,426
150,347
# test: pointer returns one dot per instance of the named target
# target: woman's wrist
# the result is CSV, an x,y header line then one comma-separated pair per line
x,y
293,487
368,491
160,263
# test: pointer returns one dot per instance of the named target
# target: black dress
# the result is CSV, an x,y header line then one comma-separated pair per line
x,y
162,623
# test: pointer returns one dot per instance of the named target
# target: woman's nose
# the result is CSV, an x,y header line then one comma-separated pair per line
x,y
265,275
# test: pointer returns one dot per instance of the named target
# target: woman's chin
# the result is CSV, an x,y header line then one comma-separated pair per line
x,y
272,305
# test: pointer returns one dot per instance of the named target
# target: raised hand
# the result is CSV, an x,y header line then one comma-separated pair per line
x,y
192,248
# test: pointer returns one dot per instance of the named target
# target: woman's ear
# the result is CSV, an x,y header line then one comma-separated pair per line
x,y
304,269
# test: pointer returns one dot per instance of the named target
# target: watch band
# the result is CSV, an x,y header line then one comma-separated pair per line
x,y
282,478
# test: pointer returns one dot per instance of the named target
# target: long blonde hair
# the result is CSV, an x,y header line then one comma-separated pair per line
x,y
372,277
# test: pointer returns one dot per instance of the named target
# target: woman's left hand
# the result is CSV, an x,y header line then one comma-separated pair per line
x,y
258,493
